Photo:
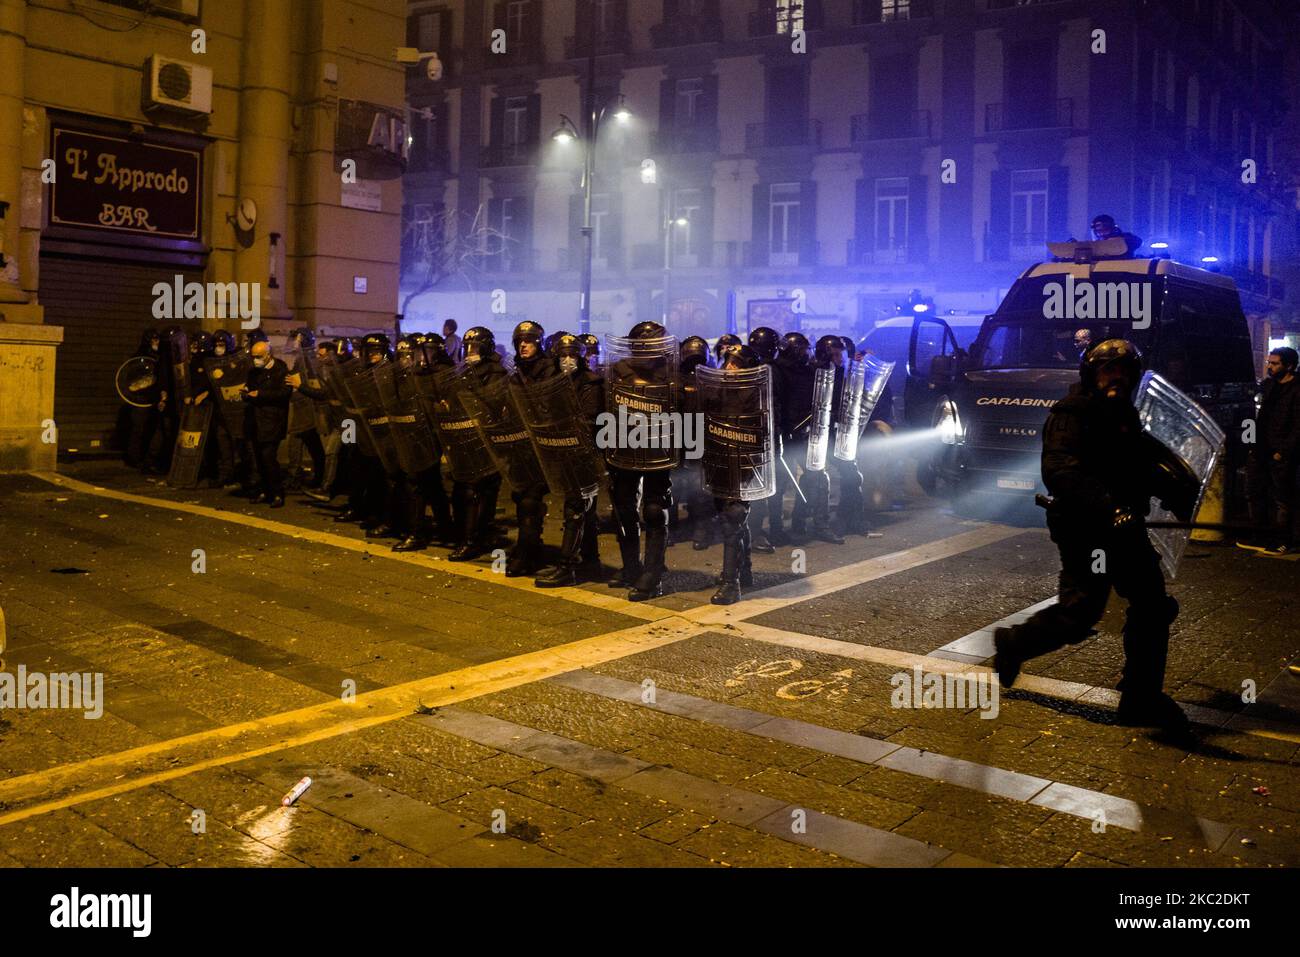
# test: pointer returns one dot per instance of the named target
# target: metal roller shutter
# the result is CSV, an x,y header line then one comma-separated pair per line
x,y
103,307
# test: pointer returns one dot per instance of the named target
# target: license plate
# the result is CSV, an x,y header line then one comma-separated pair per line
x,y
1023,484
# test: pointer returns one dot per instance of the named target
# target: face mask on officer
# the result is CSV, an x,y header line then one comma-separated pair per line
x,y
219,349
569,364
473,358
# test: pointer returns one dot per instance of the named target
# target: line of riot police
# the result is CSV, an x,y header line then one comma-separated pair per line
x,y
379,421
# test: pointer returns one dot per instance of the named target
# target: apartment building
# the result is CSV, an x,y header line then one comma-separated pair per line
x,y
811,162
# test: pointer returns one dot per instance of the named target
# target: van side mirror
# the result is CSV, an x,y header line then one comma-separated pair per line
x,y
941,367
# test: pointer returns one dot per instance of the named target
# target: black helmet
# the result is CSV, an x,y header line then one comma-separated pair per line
x,y
724,341
527,331
341,348
694,352
226,340
305,335
435,348
376,346
254,336
592,342
479,341
765,341
795,348
647,330
826,350
741,357
201,344
569,346
1108,352
410,348
850,349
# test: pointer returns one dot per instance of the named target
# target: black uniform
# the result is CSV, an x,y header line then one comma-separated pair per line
x,y
796,414
474,504
1271,467
267,396
144,420
1101,469
530,501
849,510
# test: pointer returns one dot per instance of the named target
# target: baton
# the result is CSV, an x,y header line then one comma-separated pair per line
x,y
792,479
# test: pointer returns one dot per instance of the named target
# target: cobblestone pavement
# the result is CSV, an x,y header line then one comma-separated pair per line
x,y
449,716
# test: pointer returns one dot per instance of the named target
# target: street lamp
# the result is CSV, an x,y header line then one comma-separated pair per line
x,y
566,133
669,223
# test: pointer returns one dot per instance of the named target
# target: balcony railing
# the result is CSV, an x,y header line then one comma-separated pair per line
x,y
509,154
777,135
1000,116
865,127
685,31
606,44
890,11
867,254
686,139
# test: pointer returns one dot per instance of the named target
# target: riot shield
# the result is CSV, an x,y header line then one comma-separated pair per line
x,y
440,394
136,375
359,381
331,378
819,422
863,385
503,431
562,437
191,441
739,442
302,411
641,392
412,435
322,409
228,375
180,357
1195,442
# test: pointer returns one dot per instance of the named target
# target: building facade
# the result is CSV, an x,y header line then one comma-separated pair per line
x,y
826,157
200,139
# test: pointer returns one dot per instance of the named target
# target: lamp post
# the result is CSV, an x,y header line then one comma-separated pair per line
x,y
567,132
669,222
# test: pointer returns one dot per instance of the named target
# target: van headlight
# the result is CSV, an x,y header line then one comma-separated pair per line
x,y
948,424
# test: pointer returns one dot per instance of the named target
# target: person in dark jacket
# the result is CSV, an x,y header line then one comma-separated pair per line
x,y
1102,470
532,365
153,400
475,504
267,394
1271,467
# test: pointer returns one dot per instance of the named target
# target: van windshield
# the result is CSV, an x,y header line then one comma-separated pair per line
x,y
1027,341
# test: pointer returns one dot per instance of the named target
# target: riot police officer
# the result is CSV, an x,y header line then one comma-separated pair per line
x,y
533,364
304,431
591,343
1102,469
700,512
829,351
642,381
476,502
799,373
766,343
725,342
580,548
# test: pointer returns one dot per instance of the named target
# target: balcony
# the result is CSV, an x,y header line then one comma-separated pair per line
x,y
890,11
1000,117
685,31
509,154
685,139
866,128
867,254
607,44
780,135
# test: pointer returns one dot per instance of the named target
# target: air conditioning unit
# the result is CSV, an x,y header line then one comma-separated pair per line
x,y
177,85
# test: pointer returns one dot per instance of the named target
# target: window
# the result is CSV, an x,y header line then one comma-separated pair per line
x,y
789,15
605,13
423,233
514,130
783,224
687,101
428,33
1028,212
686,239
891,219
516,11
600,223
895,10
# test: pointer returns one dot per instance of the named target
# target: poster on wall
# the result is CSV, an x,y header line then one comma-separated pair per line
x,y
776,314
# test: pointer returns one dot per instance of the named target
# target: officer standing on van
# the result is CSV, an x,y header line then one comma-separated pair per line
x,y
1102,470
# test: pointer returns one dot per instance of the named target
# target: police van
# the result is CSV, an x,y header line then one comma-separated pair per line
x,y
988,404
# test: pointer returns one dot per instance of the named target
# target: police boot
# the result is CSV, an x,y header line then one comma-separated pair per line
x,y
746,570
472,546
629,547
1006,659
650,583
1152,711
565,571
411,543
728,592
